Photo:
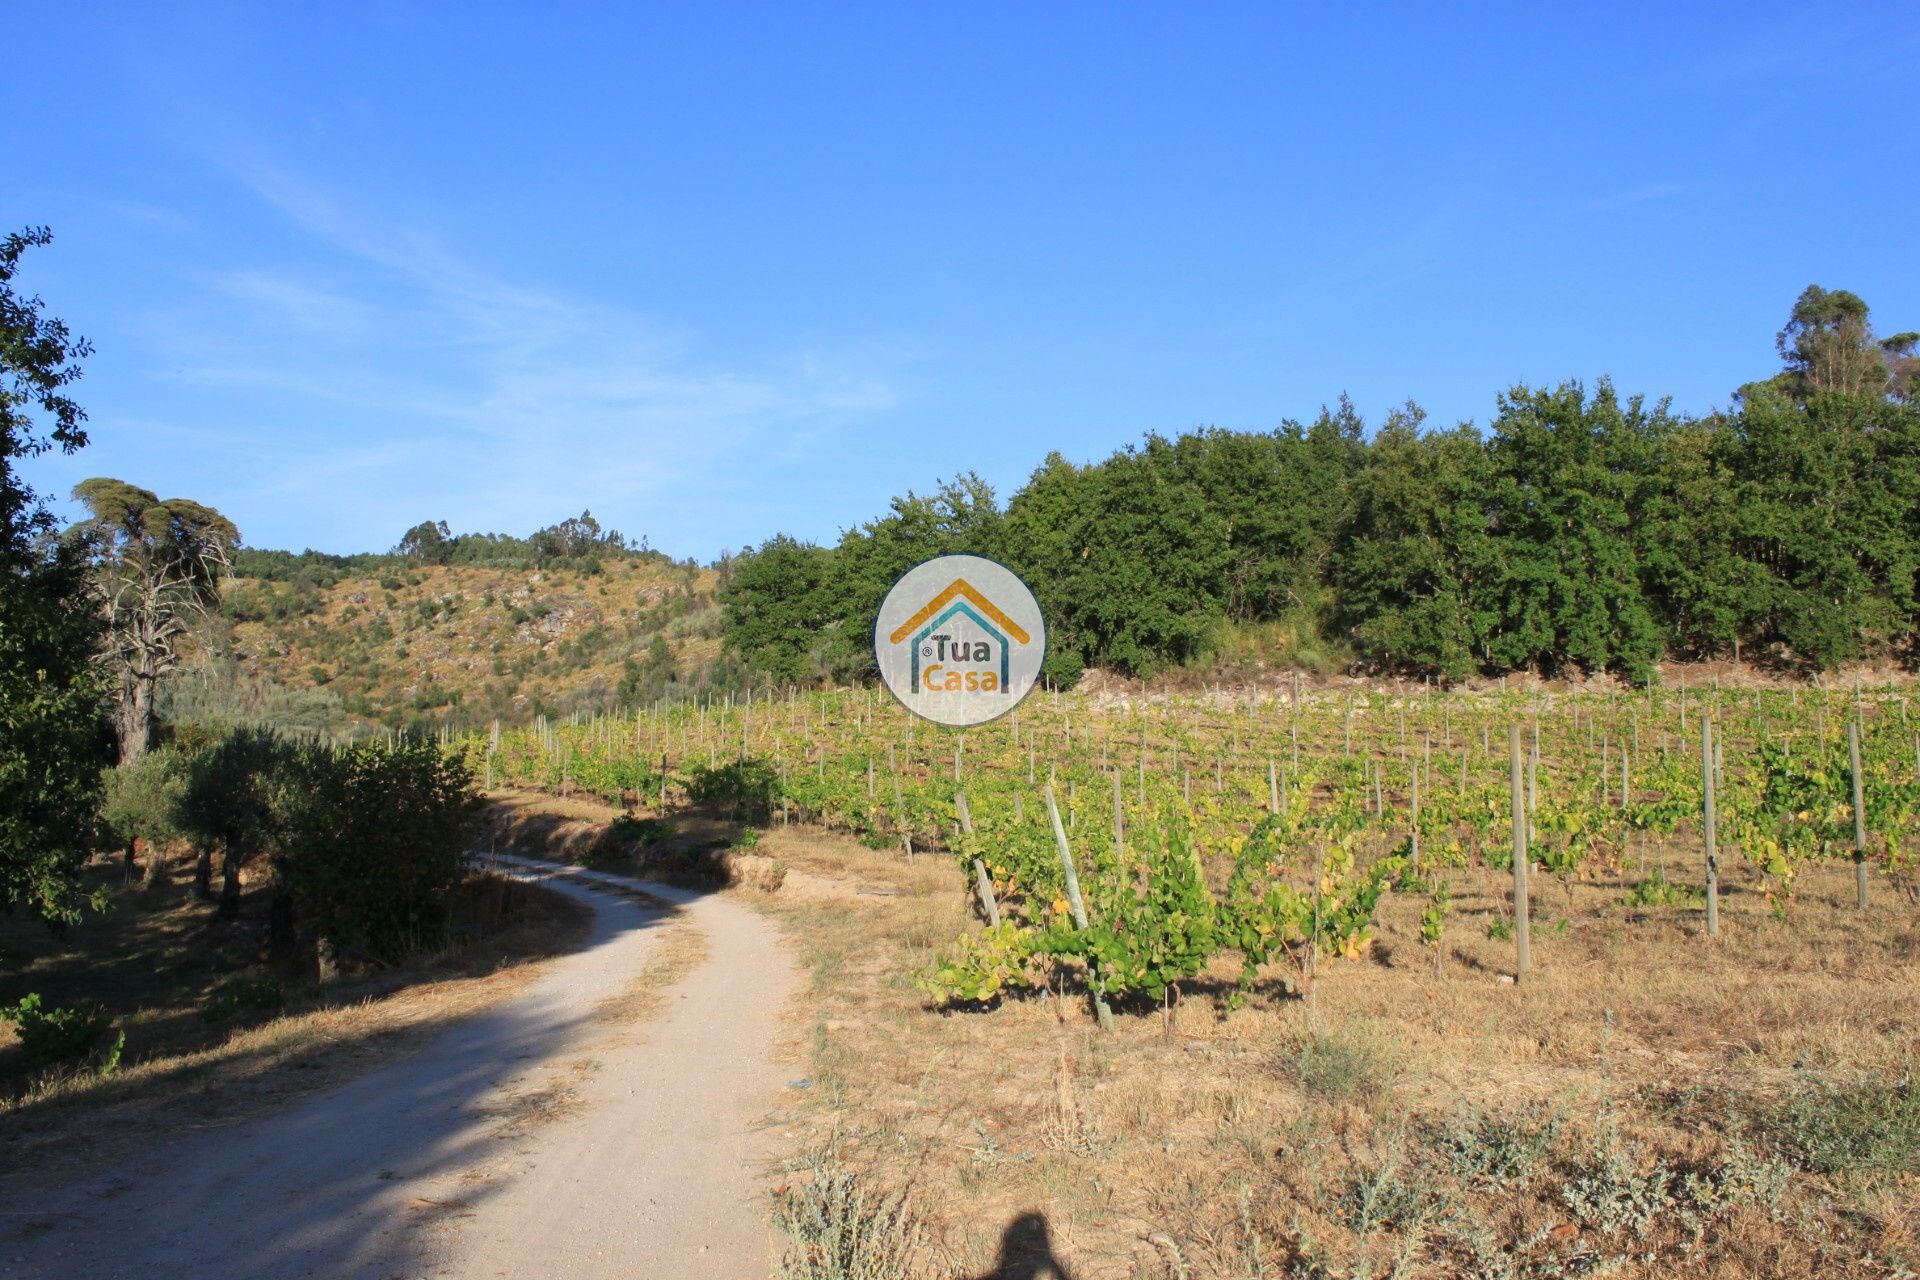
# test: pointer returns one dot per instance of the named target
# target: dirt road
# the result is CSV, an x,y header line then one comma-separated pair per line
x,y
599,1125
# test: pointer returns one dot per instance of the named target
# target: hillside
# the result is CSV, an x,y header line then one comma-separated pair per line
x,y
394,643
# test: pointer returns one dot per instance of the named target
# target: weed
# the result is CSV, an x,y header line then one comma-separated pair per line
x,y
1864,1125
1742,1176
838,1229
1485,1150
1658,891
1386,1199
1341,1065
1610,1194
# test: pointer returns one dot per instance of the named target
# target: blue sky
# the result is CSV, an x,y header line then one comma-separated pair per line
x,y
721,271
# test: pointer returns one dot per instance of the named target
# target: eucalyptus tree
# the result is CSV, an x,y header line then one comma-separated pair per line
x,y
157,568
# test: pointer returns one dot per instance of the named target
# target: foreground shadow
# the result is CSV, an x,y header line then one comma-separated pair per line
x,y
1026,1252
346,1182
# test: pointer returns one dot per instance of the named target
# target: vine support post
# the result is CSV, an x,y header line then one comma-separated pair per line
x,y
1079,907
1523,959
1416,816
1859,817
981,882
1119,821
1273,788
1709,820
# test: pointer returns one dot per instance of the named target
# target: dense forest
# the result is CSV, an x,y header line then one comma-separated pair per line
x,y
1582,530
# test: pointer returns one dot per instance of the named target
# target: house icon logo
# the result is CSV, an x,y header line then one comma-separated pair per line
x,y
959,640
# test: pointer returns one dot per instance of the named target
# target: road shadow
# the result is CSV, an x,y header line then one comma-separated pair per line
x,y
352,1180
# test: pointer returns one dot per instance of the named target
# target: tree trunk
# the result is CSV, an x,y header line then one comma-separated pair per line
x,y
203,875
156,865
230,866
133,716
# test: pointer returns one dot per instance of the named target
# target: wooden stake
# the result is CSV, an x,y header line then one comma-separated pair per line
x,y
1710,821
981,883
1859,818
1521,930
1079,909
1416,817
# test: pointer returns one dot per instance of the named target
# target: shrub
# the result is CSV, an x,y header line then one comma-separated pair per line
x,y
746,786
1342,1064
375,842
56,1035
837,1229
236,796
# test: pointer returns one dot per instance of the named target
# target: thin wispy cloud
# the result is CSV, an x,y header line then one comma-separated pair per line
x,y
397,366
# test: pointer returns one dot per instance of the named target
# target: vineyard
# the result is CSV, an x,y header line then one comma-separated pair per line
x,y
1162,843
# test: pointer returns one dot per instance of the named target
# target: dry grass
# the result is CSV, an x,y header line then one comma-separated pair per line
x,y
679,953
1406,1120
198,1058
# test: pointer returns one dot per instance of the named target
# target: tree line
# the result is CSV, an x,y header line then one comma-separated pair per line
x,y
1581,531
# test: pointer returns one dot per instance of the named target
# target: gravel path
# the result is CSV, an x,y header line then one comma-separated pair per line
x,y
546,1137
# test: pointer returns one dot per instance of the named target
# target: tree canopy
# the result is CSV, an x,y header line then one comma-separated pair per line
x,y
1581,530
157,565
52,739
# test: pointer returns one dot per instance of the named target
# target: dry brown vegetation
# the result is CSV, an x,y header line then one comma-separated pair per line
x,y
1645,1103
435,640
212,1037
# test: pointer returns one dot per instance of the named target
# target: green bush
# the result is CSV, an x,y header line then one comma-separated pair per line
x,y
746,786
56,1035
1342,1064
375,840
